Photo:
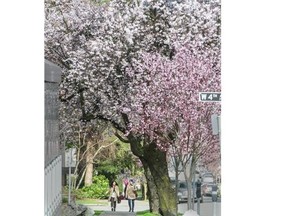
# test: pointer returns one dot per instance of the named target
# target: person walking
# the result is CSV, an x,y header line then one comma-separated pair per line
x,y
113,195
125,184
131,195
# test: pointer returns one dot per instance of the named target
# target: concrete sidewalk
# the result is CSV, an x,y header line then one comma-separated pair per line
x,y
140,205
121,208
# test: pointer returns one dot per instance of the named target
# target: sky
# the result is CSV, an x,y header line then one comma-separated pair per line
x,y
254,108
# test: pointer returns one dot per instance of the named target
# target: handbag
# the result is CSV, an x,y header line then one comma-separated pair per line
x,y
118,199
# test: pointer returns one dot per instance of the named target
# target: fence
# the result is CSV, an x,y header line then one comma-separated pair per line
x,y
52,191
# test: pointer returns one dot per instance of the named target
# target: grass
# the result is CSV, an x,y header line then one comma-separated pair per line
x,y
97,212
146,213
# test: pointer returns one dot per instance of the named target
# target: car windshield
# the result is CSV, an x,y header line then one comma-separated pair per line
x,y
208,179
182,185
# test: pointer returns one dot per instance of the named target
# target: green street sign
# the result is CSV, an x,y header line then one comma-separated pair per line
x,y
210,96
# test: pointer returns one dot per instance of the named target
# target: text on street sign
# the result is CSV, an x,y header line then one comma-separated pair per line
x,y
209,96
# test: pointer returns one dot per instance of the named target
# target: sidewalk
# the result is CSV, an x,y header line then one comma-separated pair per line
x,y
121,209
140,205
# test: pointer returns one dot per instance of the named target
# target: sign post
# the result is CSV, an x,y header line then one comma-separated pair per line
x,y
215,124
70,161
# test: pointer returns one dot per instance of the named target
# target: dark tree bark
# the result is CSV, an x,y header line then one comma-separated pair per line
x,y
137,149
152,190
159,184
156,161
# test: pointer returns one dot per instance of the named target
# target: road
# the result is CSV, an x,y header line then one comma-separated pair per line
x,y
206,208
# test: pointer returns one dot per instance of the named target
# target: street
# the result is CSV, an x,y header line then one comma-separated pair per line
x,y
206,208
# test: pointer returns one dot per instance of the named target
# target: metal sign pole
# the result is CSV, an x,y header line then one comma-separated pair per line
x,y
219,128
198,206
193,190
214,208
69,190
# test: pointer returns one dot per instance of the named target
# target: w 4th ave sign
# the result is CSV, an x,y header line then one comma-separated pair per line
x,y
210,96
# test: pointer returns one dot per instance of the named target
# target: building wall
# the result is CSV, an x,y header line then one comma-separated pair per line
x,y
53,155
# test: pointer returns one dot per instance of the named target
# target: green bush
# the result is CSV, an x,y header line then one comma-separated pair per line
x,y
98,189
64,199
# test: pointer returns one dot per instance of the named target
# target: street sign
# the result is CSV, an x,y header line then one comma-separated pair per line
x,y
210,96
70,157
215,124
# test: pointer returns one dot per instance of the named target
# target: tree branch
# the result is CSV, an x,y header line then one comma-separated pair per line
x,y
101,147
120,137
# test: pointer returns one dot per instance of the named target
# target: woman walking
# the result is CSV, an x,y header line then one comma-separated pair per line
x,y
131,195
113,195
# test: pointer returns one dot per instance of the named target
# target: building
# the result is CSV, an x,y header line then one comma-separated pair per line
x,y
52,149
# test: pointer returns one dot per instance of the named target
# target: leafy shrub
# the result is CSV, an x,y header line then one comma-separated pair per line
x,y
64,199
98,189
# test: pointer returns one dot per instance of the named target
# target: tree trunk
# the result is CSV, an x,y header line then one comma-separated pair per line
x,y
190,201
189,169
145,191
176,168
156,161
137,150
152,190
193,170
89,164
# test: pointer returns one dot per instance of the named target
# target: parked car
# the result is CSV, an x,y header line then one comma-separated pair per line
x,y
207,189
211,190
183,192
207,178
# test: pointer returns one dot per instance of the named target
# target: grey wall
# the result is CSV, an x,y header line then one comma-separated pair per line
x,y
52,80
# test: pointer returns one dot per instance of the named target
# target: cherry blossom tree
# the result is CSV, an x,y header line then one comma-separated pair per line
x,y
101,48
166,107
